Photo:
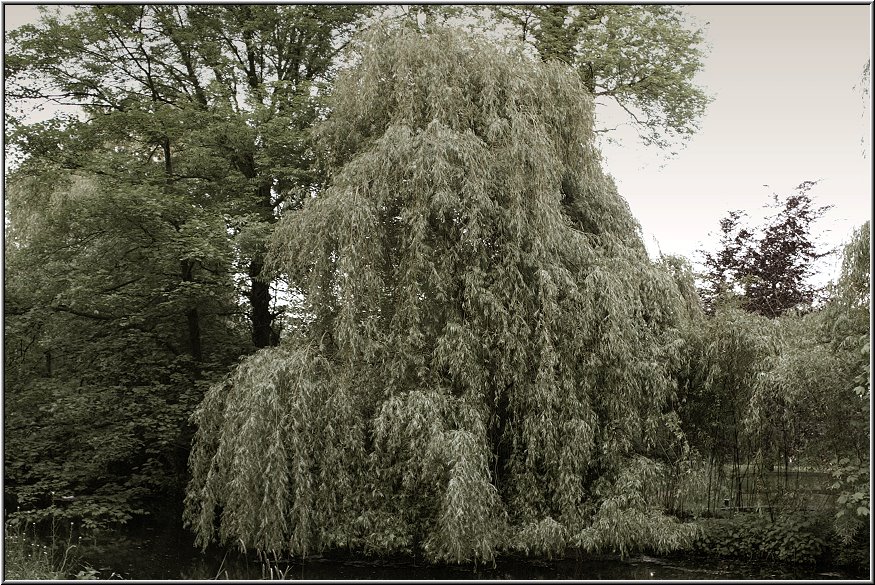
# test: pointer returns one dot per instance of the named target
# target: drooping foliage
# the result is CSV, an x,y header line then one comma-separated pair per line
x,y
478,295
725,359
305,426
640,59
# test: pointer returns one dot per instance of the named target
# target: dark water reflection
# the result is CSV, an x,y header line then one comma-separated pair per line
x,y
171,555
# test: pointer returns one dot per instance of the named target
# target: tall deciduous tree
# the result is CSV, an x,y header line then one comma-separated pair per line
x,y
131,220
100,372
222,96
643,58
488,351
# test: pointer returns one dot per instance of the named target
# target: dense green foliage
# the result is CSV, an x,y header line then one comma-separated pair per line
x,y
643,58
639,61
137,221
100,376
473,283
716,388
795,537
136,229
792,538
212,103
787,392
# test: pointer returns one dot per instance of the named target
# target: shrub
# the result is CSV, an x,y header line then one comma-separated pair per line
x,y
795,538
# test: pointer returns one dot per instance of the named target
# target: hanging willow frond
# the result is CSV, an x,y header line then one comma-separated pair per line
x,y
489,338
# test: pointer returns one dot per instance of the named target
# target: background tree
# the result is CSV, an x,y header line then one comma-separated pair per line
x,y
865,92
221,95
778,266
136,229
724,270
768,269
101,375
643,58
726,357
802,398
812,399
485,365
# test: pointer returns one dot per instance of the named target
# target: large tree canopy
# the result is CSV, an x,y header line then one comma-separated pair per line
x,y
643,58
213,103
136,230
487,351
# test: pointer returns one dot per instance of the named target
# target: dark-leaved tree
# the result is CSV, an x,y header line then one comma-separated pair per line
x,y
777,268
724,268
767,269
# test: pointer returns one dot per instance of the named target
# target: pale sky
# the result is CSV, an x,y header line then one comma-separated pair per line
x,y
787,108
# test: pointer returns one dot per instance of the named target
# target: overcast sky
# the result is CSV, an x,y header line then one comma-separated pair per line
x,y
785,110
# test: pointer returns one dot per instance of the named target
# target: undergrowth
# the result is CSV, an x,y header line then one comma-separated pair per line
x,y
30,556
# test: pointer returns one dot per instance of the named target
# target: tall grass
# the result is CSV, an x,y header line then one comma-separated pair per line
x,y
29,557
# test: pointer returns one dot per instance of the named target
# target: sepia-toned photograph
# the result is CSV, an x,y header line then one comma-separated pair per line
x,y
445,292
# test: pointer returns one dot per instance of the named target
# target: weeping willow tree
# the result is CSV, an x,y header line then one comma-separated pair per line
x,y
488,350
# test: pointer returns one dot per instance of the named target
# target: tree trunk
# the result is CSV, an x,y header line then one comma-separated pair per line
x,y
501,448
259,299
710,476
186,269
259,292
192,316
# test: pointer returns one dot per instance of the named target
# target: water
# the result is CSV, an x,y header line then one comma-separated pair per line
x,y
171,555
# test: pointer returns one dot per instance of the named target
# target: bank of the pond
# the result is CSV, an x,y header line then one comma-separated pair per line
x,y
150,554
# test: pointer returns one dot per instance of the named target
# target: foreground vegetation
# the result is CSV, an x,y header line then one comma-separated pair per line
x,y
28,554
404,309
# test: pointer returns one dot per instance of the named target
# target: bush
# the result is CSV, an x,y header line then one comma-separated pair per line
x,y
856,554
793,538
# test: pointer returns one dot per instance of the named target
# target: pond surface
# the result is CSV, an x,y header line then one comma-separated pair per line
x,y
152,555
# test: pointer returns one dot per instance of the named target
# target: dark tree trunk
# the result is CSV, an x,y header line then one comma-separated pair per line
x,y
187,271
259,299
259,292
192,316
501,444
